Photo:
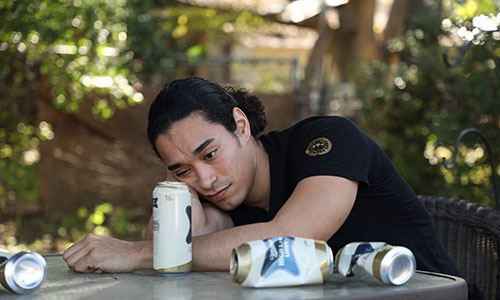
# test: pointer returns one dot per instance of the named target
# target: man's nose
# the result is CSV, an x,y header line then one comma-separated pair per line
x,y
207,177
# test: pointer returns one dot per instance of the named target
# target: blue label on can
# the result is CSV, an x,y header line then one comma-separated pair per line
x,y
188,212
279,256
360,250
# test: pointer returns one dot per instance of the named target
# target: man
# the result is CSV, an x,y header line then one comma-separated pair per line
x,y
323,178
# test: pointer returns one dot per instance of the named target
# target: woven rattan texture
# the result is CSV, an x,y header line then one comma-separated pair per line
x,y
471,235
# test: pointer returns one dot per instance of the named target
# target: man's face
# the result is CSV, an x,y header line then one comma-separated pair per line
x,y
210,159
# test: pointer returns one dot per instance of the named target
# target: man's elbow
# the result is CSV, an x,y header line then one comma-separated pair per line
x,y
215,220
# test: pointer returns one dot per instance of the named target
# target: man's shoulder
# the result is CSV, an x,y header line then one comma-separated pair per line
x,y
320,122
331,125
311,121
300,135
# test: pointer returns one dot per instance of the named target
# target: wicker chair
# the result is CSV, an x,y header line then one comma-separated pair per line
x,y
471,235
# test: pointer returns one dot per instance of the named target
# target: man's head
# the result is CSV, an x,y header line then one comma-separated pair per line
x,y
205,134
179,98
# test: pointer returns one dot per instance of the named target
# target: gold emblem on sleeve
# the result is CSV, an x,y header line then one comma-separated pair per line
x,y
319,146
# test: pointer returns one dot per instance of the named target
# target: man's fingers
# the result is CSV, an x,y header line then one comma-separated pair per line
x,y
71,250
77,256
104,253
85,265
87,259
78,245
79,250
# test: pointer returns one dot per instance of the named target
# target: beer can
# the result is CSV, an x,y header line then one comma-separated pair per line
x,y
23,272
281,261
172,248
390,264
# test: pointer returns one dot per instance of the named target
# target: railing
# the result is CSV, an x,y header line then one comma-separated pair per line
x,y
492,164
464,49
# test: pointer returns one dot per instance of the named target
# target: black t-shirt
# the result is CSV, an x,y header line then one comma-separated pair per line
x,y
386,209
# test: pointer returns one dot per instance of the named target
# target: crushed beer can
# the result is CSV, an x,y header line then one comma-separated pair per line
x,y
22,272
281,261
390,264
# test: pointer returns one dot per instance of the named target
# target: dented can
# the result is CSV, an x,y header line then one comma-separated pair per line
x,y
172,248
281,261
390,264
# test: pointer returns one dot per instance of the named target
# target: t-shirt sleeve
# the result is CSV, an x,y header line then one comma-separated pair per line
x,y
332,146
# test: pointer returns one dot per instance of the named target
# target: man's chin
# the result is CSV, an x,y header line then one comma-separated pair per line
x,y
225,205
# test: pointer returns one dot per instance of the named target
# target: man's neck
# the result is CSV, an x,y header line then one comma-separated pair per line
x,y
259,194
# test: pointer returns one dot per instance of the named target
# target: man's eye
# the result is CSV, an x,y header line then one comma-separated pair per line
x,y
210,155
181,173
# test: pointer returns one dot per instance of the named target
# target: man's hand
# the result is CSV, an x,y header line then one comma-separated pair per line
x,y
108,254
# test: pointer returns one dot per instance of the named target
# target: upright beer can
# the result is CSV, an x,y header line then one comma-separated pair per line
x,y
172,248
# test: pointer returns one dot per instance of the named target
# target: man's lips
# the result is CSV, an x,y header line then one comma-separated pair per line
x,y
219,195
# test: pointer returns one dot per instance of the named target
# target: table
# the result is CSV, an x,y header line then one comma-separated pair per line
x,y
62,283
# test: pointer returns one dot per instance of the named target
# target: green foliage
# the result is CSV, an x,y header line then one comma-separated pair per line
x,y
420,102
18,155
470,8
68,51
73,49
105,219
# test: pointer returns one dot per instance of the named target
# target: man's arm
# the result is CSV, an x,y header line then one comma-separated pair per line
x,y
95,252
316,209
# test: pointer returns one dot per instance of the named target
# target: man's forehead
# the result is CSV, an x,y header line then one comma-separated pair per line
x,y
192,141
194,129
189,136
194,119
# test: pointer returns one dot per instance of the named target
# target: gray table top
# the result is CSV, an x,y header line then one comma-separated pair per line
x,y
62,283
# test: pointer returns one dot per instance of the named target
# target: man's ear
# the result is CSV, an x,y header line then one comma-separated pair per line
x,y
242,123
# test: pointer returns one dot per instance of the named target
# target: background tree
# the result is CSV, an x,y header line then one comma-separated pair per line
x,y
75,55
89,59
416,109
395,83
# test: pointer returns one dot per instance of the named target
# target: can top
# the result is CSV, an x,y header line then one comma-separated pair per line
x,y
241,262
331,262
181,186
394,265
24,272
170,183
173,185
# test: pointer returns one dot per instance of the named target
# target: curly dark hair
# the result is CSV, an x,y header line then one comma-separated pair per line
x,y
179,98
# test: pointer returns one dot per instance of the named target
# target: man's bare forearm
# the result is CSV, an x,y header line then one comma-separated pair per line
x,y
212,252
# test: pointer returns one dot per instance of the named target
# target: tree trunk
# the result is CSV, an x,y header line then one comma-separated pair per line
x,y
354,40
340,49
398,19
312,82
